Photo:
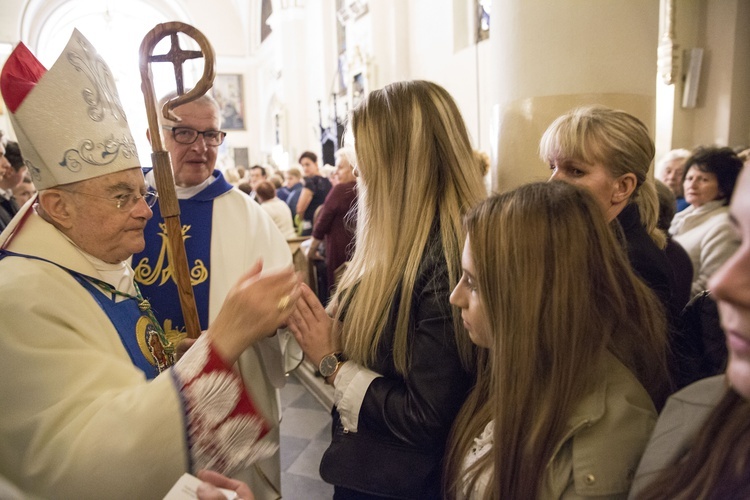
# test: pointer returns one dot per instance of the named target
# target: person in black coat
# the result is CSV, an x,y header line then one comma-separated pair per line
x,y
396,351
609,152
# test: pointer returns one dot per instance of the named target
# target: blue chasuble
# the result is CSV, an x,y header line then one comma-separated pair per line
x,y
153,269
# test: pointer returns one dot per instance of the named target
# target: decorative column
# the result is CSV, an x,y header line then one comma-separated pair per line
x,y
668,75
550,57
390,47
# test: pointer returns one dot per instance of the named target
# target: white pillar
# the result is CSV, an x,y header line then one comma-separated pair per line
x,y
550,57
390,41
297,121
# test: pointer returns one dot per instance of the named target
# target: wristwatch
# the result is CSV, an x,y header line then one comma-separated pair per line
x,y
330,363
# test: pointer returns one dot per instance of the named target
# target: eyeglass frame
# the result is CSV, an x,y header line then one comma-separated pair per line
x,y
150,197
172,129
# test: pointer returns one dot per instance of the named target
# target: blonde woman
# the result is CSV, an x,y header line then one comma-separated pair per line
x,y
609,152
395,351
558,410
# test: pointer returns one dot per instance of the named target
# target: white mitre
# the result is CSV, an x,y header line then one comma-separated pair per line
x,y
69,120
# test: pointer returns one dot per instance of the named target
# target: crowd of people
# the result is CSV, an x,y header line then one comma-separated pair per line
x,y
319,209
545,342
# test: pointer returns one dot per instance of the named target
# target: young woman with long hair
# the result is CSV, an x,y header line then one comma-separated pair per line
x,y
565,326
395,351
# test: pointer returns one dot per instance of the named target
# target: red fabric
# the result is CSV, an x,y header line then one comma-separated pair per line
x,y
20,74
245,405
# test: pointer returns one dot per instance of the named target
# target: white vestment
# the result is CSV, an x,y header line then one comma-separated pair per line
x,y
112,434
78,418
242,233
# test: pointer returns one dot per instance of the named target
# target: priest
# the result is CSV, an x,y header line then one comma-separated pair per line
x,y
225,232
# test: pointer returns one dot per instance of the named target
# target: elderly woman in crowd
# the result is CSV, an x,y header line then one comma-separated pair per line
x,y
704,229
671,171
336,221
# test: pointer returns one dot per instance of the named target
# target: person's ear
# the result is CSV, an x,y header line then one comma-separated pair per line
x,y
624,187
58,207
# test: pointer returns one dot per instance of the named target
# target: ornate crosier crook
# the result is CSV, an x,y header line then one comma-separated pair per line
x,y
168,204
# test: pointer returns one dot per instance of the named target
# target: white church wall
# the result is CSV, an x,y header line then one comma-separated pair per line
x,y
723,94
439,52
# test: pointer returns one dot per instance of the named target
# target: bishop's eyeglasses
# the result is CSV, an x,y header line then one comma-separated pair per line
x,y
187,135
124,202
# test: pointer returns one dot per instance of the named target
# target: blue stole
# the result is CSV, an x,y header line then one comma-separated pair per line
x,y
153,270
137,332
143,347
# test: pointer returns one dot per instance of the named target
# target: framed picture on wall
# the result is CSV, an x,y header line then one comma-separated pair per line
x,y
241,157
359,76
227,91
358,89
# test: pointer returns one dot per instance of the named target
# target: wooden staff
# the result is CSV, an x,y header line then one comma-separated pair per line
x,y
170,207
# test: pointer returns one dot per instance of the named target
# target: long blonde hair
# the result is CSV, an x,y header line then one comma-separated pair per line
x,y
616,139
416,174
558,291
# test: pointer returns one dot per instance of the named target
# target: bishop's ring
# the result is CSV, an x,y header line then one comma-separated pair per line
x,y
284,303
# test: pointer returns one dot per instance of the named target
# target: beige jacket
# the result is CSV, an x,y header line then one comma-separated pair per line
x,y
606,437
682,418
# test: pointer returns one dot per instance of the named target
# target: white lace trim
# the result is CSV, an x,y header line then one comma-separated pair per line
x,y
213,397
232,446
218,442
193,361
482,446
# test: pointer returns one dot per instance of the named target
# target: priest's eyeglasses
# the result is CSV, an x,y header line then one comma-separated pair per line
x,y
187,135
125,202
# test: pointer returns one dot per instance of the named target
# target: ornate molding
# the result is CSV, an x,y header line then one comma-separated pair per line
x,y
667,50
352,10
291,4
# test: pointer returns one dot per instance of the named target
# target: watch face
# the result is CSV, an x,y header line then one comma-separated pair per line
x,y
328,365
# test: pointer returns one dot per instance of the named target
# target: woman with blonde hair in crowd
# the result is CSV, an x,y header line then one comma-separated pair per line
x,y
395,351
609,152
558,410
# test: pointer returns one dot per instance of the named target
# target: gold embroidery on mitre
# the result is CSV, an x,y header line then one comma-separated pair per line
x,y
102,97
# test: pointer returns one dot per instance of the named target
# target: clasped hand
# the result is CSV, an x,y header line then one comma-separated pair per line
x,y
312,327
